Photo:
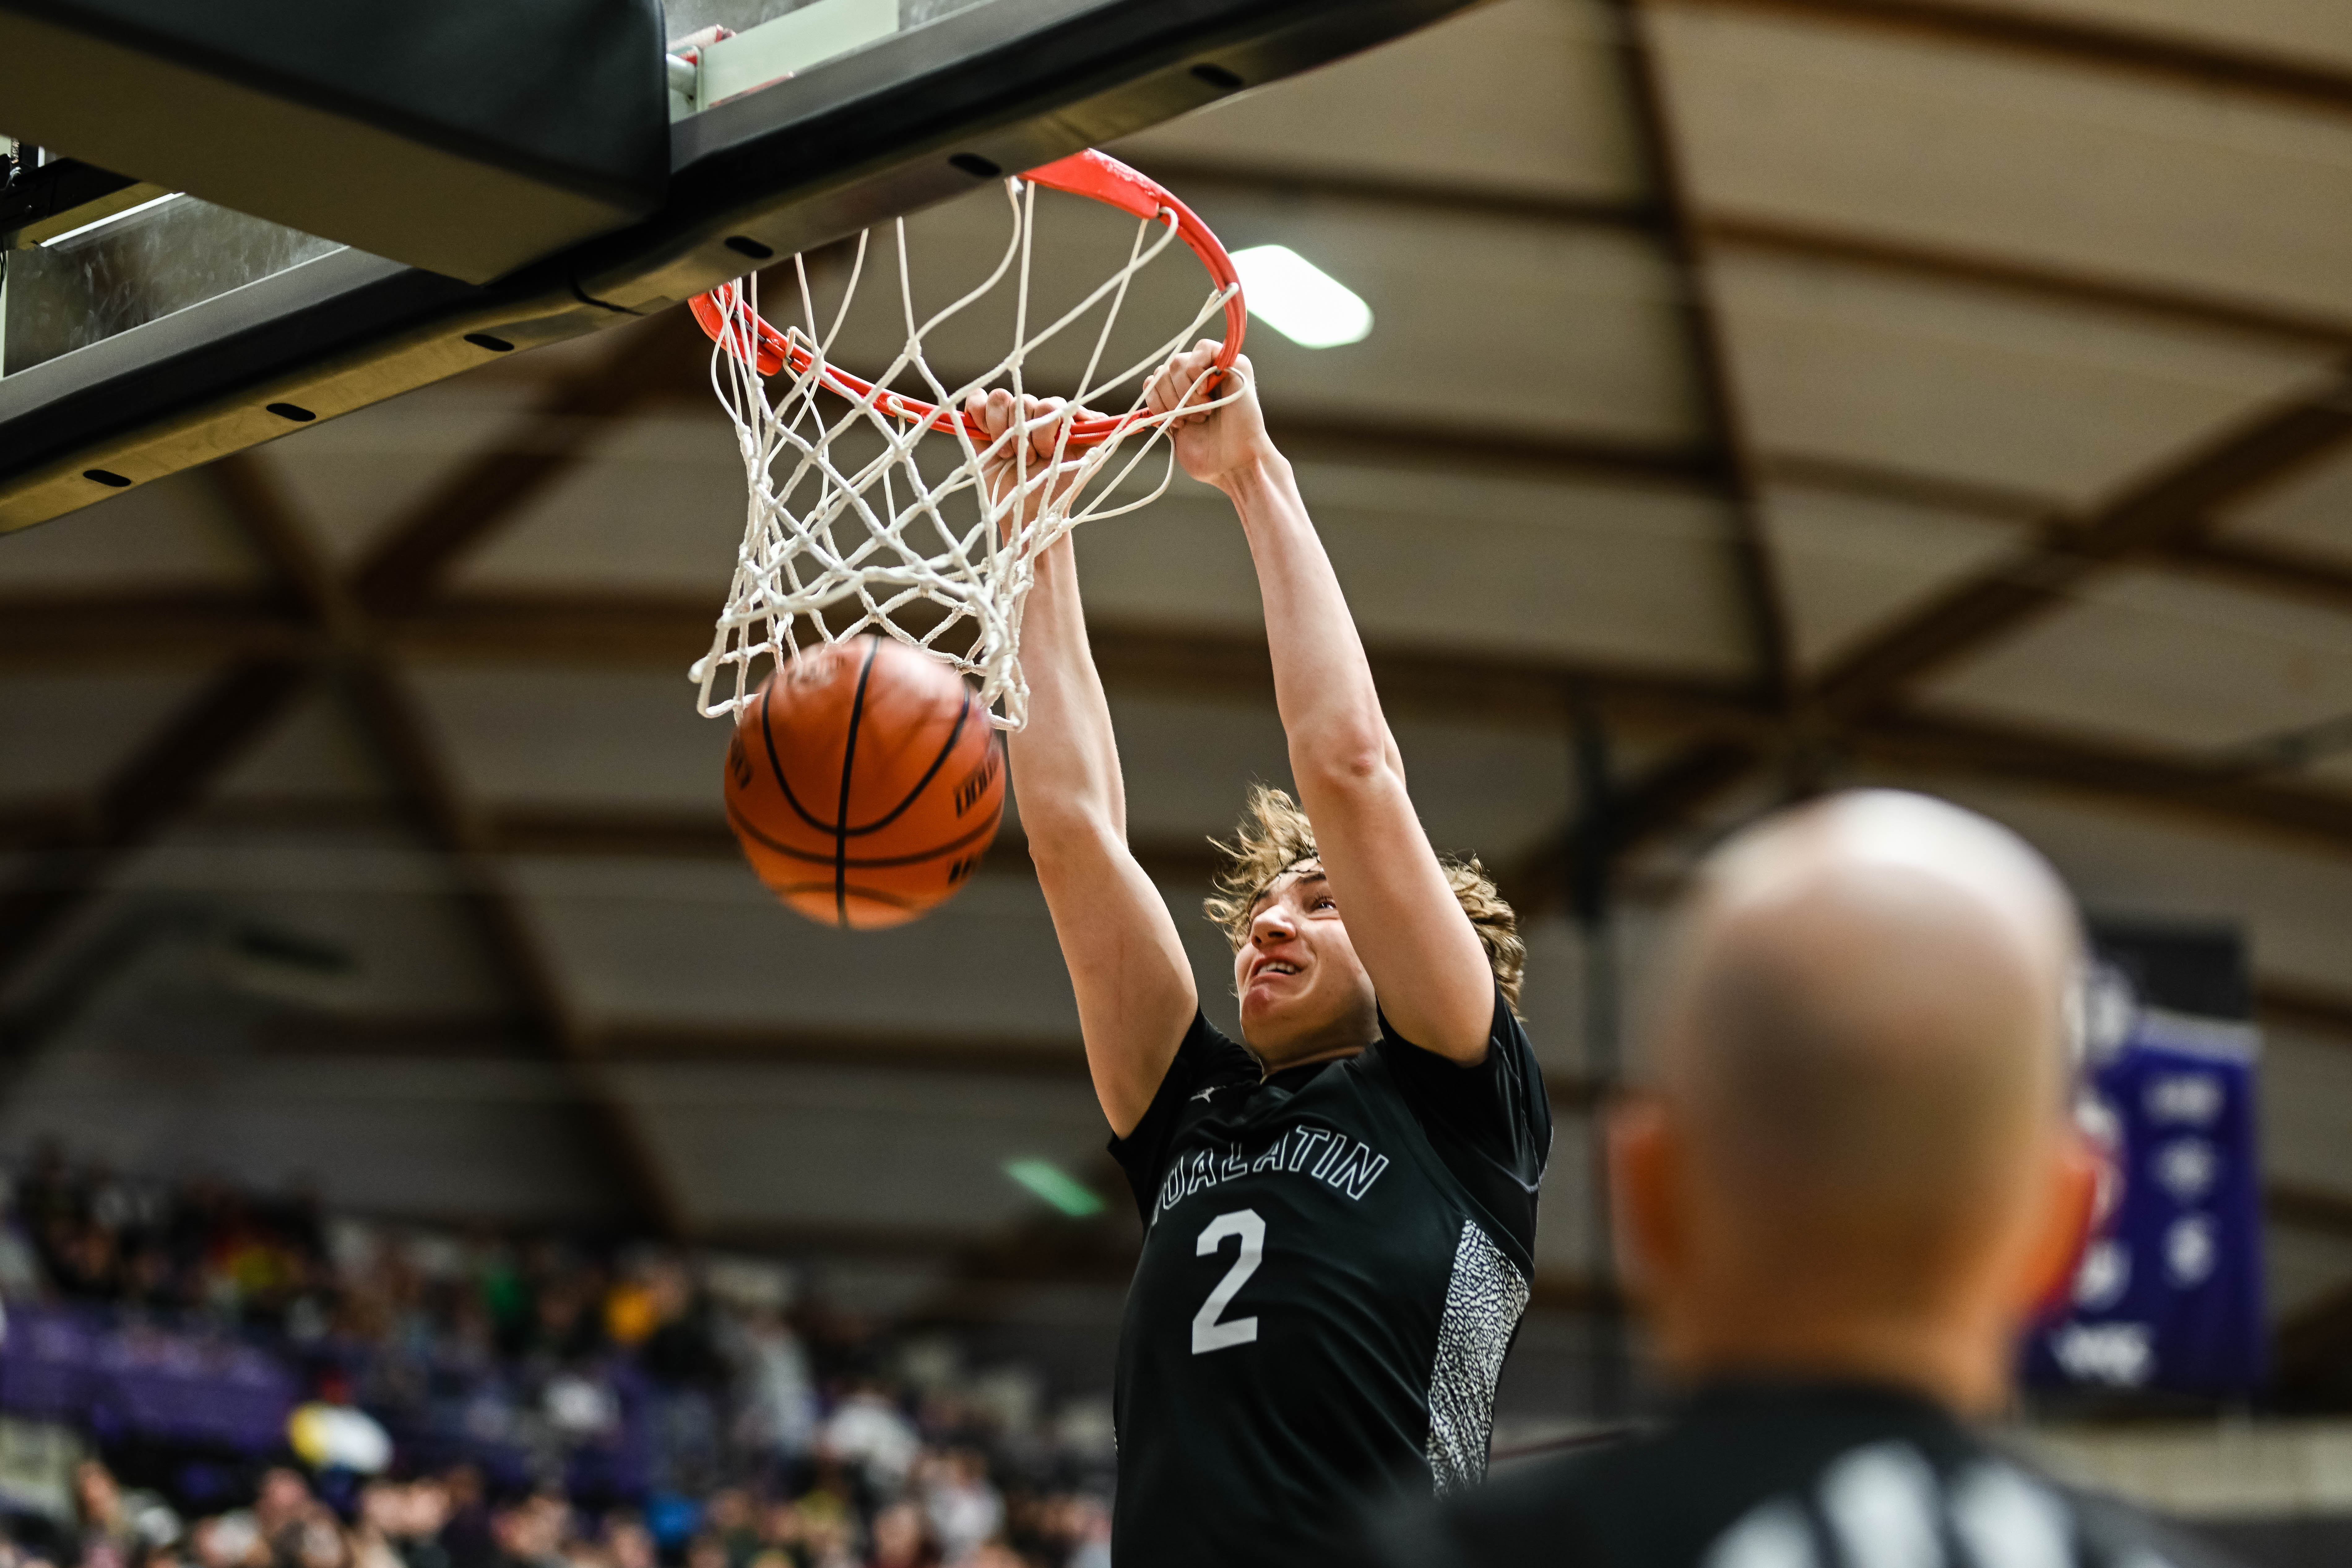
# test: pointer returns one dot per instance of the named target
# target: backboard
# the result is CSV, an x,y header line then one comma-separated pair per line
x,y
145,329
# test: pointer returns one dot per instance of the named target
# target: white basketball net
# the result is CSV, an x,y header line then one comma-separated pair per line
x,y
834,550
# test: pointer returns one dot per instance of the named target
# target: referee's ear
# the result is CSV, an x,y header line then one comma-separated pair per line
x,y
2069,1210
1648,1208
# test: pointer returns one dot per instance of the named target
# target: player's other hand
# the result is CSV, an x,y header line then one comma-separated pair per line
x,y
1217,445
1028,454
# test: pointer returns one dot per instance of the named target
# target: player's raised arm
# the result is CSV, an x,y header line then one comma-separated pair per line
x,y
1134,984
1426,964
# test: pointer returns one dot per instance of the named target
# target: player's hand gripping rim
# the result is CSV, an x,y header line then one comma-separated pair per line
x,y
1212,417
1034,456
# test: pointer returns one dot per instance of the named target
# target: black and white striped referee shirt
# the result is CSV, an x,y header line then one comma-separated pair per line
x,y
1786,1475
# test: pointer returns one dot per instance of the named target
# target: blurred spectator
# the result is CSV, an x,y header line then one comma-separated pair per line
x,y
314,1540
627,1542
902,1539
869,1432
776,1415
120,1529
531,1533
728,1519
376,1533
416,1528
465,1537
107,1540
230,1540
964,1512
283,1503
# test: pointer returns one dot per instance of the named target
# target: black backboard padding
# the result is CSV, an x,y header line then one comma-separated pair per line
x,y
570,92
467,138
335,305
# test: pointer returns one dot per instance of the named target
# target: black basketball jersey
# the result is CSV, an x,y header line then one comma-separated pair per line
x,y
1335,1260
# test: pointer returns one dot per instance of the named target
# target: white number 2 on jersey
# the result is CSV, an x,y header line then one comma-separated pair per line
x,y
1208,1334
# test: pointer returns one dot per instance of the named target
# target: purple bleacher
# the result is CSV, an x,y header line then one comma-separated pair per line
x,y
83,1365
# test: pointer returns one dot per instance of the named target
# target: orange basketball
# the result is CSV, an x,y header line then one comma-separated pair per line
x,y
864,782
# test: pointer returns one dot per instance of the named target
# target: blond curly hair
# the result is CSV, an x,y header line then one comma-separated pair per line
x,y
1274,834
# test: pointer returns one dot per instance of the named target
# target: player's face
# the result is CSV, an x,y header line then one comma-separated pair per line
x,y
1304,992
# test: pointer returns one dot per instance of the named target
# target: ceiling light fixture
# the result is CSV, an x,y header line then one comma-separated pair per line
x,y
1057,1186
1300,300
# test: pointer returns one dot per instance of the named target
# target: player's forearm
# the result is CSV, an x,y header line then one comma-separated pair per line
x,y
1322,683
1128,970
1065,763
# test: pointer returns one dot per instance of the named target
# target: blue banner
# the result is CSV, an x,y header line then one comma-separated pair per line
x,y
2169,1293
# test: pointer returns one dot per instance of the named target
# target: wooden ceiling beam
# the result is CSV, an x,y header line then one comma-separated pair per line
x,y
1712,376
2175,506
1905,487
2175,58
2299,1005
1564,455
2280,570
1525,688
77,630
1455,199
1992,269
2306,1207
2215,793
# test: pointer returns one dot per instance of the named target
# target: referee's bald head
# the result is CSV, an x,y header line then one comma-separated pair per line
x,y
1859,1056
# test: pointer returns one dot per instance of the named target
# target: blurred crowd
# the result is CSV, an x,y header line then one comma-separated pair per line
x,y
951,1514
549,1402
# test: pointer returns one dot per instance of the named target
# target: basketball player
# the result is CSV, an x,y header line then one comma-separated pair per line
x,y
1852,1179
1340,1207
